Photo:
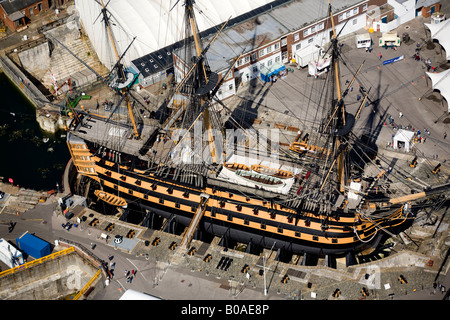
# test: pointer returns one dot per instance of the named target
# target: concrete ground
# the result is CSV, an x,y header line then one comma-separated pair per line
x,y
399,87
174,276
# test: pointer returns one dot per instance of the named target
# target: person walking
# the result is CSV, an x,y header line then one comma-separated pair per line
x,y
379,56
445,135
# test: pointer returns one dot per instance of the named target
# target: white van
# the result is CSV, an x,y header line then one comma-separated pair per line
x,y
363,40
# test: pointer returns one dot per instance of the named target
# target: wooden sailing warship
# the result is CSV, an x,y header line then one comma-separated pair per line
x,y
306,203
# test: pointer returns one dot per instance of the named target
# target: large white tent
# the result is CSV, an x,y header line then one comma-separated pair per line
x,y
441,81
440,31
152,22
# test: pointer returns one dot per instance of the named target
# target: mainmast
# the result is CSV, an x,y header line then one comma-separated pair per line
x,y
338,148
200,81
120,70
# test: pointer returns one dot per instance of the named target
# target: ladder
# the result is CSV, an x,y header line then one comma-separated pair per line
x,y
195,221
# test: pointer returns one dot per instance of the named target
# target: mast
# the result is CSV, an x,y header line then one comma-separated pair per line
x,y
121,71
200,81
341,121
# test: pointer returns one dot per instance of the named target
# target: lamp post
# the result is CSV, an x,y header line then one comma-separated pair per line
x,y
264,267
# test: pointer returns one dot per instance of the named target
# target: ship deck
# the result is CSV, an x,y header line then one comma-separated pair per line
x,y
113,134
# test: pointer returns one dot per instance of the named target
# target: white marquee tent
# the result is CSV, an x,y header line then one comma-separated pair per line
x,y
441,81
404,136
152,23
440,31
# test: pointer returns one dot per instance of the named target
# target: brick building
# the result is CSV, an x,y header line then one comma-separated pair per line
x,y
16,14
426,8
278,35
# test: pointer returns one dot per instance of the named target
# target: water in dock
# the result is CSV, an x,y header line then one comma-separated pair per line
x,y
32,158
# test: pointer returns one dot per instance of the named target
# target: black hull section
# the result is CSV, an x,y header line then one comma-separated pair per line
x,y
261,238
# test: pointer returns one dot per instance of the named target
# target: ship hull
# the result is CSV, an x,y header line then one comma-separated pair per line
x,y
230,214
263,239
270,232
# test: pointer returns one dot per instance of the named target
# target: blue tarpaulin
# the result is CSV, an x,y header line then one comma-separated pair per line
x,y
33,246
274,69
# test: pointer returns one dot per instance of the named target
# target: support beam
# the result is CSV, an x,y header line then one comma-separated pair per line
x,y
195,221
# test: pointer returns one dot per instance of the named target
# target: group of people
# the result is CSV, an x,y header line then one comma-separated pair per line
x,y
130,275
109,268
440,286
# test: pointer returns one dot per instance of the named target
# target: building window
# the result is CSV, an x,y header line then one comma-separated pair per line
x,y
269,49
276,46
261,65
355,21
262,52
296,37
297,234
320,26
280,230
230,87
277,59
246,221
255,69
310,40
247,59
364,7
269,63
340,17
263,226
283,42
355,11
313,29
305,33
298,46
254,56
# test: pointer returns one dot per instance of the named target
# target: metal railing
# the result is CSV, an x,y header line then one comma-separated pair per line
x,y
87,286
37,261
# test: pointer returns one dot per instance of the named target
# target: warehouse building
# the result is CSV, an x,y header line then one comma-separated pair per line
x,y
157,26
269,34
295,31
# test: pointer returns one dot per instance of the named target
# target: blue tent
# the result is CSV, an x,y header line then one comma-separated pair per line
x,y
267,72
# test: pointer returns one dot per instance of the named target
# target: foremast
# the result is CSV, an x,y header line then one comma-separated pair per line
x,y
120,71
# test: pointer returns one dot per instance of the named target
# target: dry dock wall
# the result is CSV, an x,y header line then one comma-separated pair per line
x,y
51,280
22,82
